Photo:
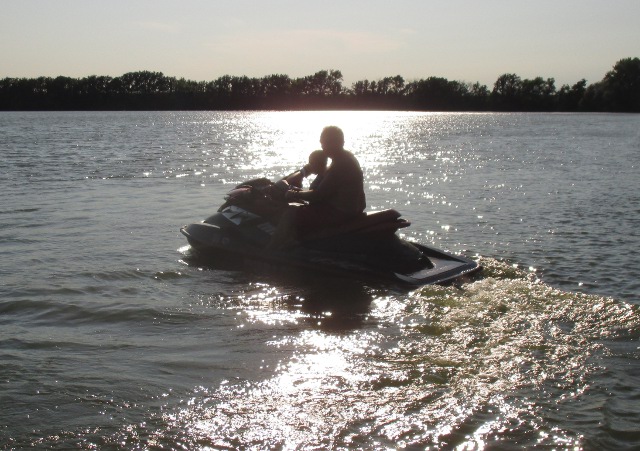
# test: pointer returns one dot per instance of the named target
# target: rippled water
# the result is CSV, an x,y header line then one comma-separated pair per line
x,y
113,337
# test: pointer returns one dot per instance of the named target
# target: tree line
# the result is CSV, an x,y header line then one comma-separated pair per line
x,y
618,91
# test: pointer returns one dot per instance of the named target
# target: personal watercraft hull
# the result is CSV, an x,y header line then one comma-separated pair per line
x,y
368,247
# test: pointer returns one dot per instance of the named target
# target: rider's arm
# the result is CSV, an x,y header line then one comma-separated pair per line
x,y
330,183
305,195
296,178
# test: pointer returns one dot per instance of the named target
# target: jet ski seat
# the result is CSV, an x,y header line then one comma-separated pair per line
x,y
371,221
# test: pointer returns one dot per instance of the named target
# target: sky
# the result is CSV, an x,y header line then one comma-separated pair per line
x,y
463,40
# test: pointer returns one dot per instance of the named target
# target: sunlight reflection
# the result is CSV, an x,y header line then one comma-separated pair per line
x,y
312,372
446,365
286,138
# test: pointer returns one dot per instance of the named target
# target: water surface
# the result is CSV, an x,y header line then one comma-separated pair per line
x,y
113,337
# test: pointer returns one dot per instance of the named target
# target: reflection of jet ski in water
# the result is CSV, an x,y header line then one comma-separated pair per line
x,y
367,245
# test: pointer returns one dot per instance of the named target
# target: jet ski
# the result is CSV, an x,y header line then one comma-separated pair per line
x,y
367,246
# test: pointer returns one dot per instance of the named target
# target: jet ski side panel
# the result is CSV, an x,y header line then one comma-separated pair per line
x,y
204,235
430,266
368,247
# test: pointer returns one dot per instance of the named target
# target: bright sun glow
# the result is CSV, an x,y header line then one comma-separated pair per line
x,y
287,138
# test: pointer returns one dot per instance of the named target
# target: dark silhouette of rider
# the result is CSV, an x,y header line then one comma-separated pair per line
x,y
317,165
337,198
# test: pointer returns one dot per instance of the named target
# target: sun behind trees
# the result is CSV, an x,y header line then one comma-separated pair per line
x,y
618,91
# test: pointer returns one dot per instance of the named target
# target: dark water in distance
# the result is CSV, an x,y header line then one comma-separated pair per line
x,y
113,337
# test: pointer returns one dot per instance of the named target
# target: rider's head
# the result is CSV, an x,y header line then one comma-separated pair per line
x,y
332,140
317,162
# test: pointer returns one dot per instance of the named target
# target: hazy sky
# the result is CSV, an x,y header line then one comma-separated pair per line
x,y
464,40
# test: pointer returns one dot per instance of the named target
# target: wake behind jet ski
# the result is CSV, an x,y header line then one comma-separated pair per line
x,y
367,246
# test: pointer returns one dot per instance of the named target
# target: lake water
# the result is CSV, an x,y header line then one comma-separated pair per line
x,y
113,337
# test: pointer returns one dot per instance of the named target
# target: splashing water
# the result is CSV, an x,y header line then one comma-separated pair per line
x,y
491,362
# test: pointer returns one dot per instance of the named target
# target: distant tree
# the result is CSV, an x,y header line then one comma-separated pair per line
x,y
360,88
478,90
618,91
61,85
622,86
507,92
478,96
221,87
116,87
322,83
437,93
62,93
539,87
144,82
94,85
41,85
594,98
397,85
538,94
276,85
20,93
389,86
507,85
187,94
386,93
241,87
187,86
570,97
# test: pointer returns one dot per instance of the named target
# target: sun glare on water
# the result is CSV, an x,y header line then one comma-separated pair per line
x,y
285,139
